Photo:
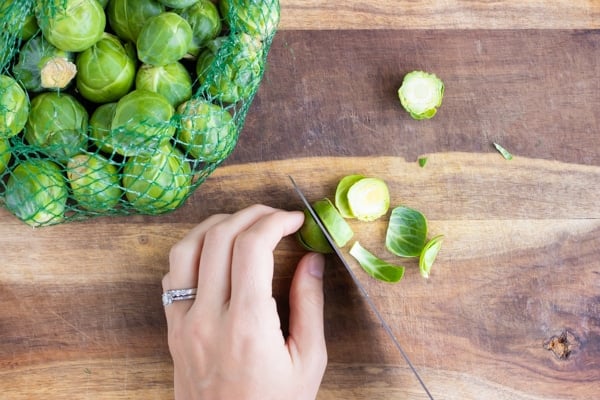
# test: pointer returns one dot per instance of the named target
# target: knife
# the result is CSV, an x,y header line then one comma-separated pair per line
x,y
361,288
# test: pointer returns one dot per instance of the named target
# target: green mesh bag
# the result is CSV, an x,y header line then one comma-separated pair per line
x,y
122,107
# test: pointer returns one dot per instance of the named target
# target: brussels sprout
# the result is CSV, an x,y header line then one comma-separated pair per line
x,y
103,3
421,94
205,21
30,27
14,107
36,192
178,3
100,122
237,70
255,17
207,131
71,25
311,235
172,81
43,66
368,199
94,182
164,39
105,71
57,123
141,123
127,17
17,19
159,182
5,154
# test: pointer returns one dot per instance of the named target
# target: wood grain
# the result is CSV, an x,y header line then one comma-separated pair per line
x,y
439,14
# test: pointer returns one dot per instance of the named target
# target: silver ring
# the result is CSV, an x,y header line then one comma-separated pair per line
x,y
172,295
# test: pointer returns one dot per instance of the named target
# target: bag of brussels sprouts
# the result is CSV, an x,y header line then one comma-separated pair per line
x,y
122,107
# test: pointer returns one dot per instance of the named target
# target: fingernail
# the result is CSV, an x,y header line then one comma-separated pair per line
x,y
316,265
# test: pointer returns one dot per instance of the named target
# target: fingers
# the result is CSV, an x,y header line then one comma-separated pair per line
x,y
214,276
307,339
252,260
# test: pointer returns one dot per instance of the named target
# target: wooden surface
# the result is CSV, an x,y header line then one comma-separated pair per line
x,y
517,281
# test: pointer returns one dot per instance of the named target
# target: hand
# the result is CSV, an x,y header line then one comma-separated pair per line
x,y
227,343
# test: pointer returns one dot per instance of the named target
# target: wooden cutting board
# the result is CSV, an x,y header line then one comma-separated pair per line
x,y
512,308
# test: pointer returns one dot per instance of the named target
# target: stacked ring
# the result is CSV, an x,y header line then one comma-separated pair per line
x,y
172,295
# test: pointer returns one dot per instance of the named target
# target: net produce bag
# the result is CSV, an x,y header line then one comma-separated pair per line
x,y
122,107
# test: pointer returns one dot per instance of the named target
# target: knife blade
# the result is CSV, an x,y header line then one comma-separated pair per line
x,y
360,287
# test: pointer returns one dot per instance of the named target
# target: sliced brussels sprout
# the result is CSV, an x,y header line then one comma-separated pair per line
x,y
375,266
36,192
207,131
14,107
100,123
94,181
5,154
311,236
164,39
43,66
429,254
173,81
127,17
257,18
231,67
106,72
203,16
421,94
368,199
58,124
71,25
159,182
141,123
341,194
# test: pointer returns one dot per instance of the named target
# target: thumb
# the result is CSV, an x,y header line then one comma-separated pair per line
x,y
307,334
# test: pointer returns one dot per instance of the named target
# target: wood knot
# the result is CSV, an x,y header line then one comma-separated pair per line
x,y
562,345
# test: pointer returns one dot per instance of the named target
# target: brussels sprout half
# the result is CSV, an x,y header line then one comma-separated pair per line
x,y
159,182
173,81
5,154
106,72
42,66
164,39
421,94
205,21
207,131
311,235
94,182
36,192
368,199
14,107
71,25
141,123
127,17
58,124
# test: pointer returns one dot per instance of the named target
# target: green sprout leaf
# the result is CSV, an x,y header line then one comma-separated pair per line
x,y
422,161
505,153
341,194
407,232
376,267
428,255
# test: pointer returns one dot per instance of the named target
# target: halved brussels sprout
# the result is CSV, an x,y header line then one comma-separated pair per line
x,y
368,199
127,17
43,66
159,182
142,122
421,94
164,39
36,192
173,81
5,154
100,123
14,107
257,18
71,25
94,181
178,3
106,72
207,131
205,21
58,124
231,67
312,237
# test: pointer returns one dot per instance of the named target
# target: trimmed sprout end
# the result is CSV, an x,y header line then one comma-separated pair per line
x,y
421,94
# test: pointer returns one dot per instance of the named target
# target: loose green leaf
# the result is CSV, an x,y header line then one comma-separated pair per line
x,y
422,161
505,153
428,255
369,199
407,232
341,194
376,267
